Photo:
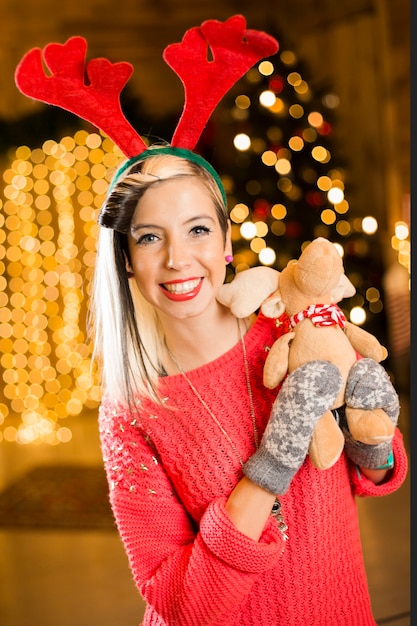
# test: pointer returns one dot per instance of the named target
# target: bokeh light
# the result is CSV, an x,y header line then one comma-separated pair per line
x,y
48,235
369,225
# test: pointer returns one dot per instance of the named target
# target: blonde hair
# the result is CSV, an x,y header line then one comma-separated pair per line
x,y
128,340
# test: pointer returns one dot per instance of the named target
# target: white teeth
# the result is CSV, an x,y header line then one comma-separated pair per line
x,y
181,288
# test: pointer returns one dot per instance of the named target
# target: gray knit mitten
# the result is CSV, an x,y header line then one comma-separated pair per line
x,y
369,387
307,393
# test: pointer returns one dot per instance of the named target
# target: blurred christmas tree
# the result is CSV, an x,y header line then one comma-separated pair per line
x,y
271,140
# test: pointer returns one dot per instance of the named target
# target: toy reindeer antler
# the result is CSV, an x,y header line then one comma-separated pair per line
x,y
92,90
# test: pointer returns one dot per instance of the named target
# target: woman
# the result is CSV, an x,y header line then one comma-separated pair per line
x,y
184,410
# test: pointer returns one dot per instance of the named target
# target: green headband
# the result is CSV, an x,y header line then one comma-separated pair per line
x,y
182,153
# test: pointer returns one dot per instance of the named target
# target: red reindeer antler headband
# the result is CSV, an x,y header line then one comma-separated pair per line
x,y
234,50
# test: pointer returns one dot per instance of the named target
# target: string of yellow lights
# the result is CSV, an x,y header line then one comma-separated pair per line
x,y
48,244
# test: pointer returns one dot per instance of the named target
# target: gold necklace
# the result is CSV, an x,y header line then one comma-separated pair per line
x,y
205,405
276,509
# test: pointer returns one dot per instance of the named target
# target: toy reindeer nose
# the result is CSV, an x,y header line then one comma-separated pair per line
x,y
209,61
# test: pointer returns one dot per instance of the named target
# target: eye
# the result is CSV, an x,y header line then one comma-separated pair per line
x,y
147,239
200,230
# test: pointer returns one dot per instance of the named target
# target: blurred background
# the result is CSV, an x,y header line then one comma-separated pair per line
x,y
313,142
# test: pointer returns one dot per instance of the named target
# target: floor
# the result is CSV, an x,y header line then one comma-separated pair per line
x,y
81,578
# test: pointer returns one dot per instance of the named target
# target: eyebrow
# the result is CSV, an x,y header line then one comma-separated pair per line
x,y
134,229
197,218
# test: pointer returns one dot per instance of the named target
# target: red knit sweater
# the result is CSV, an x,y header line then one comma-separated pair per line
x,y
170,472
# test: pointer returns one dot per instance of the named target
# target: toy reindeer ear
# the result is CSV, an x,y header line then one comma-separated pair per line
x,y
248,290
273,306
209,60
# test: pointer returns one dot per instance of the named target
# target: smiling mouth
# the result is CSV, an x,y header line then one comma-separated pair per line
x,y
182,288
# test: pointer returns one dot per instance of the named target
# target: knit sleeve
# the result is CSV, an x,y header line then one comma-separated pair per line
x,y
365,487
189,575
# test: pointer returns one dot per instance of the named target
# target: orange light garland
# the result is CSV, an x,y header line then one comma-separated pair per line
x,y
47,251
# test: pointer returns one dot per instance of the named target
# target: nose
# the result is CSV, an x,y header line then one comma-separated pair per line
x,y
177,257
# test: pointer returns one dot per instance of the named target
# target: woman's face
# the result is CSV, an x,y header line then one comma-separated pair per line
x,y
177,248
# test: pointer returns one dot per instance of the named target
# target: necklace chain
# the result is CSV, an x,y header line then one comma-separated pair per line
x,y
210,412
248,385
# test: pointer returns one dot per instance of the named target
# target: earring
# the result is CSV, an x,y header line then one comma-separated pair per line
x,y
228,258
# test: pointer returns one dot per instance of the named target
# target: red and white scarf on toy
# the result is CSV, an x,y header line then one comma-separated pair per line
x,y
321,315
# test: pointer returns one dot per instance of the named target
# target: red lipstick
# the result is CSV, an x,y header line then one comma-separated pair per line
x,y
182,294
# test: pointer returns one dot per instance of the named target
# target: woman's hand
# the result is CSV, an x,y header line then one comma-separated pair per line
x,y
369,387
306,394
